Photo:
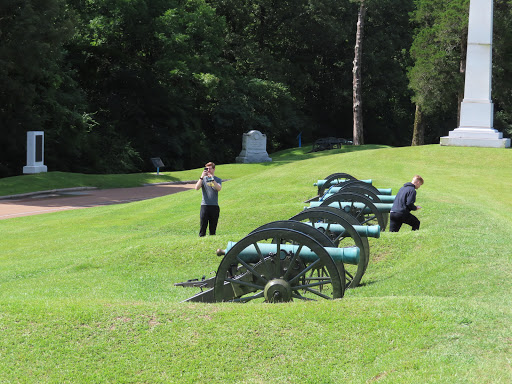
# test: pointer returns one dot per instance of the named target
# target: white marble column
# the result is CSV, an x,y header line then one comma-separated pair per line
x,y
477,109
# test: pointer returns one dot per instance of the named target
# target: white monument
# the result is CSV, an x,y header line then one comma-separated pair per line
x,y
477,109
254,148
35,153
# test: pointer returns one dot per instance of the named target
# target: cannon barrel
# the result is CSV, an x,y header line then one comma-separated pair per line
x,y
320,183
382,198
382,191
381,207
349,255
362,230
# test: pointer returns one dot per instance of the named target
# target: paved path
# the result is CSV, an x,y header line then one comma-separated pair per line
x,y
68,199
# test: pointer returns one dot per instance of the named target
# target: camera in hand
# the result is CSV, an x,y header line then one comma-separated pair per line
x,y
208,178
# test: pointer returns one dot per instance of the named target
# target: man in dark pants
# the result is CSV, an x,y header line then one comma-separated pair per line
x,y
404,204
210,210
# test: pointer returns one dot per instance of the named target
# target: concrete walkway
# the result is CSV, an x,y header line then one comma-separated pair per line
x,y
61,200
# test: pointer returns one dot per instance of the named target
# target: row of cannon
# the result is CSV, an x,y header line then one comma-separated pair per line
x,y
316,254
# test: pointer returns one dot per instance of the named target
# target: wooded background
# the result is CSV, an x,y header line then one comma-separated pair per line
x,y
116,82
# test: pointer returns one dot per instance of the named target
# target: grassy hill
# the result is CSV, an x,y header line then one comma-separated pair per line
x,y
88,295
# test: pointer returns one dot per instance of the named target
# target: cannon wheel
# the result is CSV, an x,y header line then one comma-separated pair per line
x,y
275,278
332,177
371,192
351,219
374,218
322,238
328,215
361,188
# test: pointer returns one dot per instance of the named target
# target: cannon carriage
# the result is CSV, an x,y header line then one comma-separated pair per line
x,y
316,254
368,204
277,262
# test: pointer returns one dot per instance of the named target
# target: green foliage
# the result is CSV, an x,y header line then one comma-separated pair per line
x,y
437,50
305,46
37,89
116,82
386,99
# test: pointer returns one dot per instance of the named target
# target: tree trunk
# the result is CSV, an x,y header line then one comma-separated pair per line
x,y
418,135
357,99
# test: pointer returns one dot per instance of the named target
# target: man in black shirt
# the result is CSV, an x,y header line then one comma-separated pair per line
x,y
404,204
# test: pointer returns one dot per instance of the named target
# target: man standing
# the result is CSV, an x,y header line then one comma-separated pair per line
x,y
210,185
404,204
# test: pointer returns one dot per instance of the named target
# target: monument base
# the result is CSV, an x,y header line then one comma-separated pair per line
x,y
29,169
253,159
475,137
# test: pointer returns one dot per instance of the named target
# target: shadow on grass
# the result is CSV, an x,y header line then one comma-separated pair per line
x,y
59,180
303,153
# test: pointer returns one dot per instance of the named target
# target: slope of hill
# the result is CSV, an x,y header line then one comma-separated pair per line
x,y
88,295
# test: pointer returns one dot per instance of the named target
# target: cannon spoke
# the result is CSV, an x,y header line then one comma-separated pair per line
x,y
244,283
349,277
311,266
245,299
316,284
300,297
317,293
262,258
369,219
358,213
329,219
252,270
292,262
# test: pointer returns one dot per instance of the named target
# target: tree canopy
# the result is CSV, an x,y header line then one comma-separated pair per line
x,y
116,82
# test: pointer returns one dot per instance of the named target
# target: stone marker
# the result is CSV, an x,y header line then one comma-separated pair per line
x,y
477,109
254,148
35,153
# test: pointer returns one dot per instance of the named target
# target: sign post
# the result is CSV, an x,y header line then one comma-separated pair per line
x,y
157,162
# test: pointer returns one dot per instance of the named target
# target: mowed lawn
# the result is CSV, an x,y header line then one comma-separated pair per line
x,y
88,296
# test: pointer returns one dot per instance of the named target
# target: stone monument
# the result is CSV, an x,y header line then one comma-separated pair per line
x,y
477,109
35,153
254,148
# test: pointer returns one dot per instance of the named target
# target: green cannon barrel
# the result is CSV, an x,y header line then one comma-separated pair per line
x,y
382,191
381,207
349,255
320,183
382,198
362,230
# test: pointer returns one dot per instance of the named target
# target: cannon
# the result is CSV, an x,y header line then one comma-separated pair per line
x,y
316,254
366,211
335,179
359,185
375,197
282,261
344,231
342,181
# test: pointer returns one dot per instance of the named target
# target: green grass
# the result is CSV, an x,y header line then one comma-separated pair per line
x,y
58,180
88,295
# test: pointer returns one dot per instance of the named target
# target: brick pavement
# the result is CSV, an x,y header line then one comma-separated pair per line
x,y
61,200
